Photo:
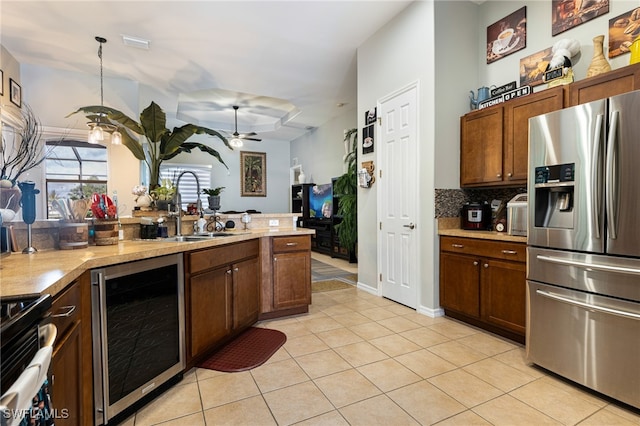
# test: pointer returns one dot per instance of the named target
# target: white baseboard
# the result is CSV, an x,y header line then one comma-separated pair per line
x,y
433,313
368,289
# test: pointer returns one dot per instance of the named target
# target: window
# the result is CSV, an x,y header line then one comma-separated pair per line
x,y
74,169
188,187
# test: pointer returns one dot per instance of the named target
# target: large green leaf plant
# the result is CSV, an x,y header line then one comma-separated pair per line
x,y
345,189
158,143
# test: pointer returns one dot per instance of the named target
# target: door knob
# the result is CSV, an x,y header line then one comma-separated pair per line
x,y
410,226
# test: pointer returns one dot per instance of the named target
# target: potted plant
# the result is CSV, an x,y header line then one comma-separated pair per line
x,y
158,143
345,189
164,194
213,196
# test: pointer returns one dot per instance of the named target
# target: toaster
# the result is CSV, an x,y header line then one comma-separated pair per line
x,y
517,215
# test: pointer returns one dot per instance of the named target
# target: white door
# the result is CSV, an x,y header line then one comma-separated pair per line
x,y
398,197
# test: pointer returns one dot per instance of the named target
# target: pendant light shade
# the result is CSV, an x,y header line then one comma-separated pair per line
x,y
99,123
236,143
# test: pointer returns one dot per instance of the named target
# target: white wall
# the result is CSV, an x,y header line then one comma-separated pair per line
x,y
321,151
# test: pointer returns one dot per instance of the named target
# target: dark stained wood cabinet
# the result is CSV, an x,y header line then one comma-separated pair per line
x,y
222,289
71,363
483,282
494,142
616,82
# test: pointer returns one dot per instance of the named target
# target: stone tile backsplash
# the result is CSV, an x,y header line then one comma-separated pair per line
x,y
449,202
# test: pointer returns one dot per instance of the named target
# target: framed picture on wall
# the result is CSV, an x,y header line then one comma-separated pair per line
x,y
507,36
566,14
15,93
253,174
532,67
623,30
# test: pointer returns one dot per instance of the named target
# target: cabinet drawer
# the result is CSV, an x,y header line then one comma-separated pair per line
x,y
222,255
292,243
65,309
485,248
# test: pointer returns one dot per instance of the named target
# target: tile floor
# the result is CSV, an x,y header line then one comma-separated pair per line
x,y
358,359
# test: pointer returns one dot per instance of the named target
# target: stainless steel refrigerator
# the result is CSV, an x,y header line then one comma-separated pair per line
x,y
583,254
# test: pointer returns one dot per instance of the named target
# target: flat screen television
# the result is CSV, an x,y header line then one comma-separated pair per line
x,y
321,201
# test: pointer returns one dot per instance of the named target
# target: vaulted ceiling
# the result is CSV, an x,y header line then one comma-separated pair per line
x,y
211,55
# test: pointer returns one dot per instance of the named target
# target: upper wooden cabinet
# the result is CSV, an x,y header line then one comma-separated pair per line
x,y
494,141
602,86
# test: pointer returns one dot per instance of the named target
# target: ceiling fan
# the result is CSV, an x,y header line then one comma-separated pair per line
x,y
237,139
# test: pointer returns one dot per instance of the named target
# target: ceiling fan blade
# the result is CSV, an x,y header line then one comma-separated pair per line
x,y
250,139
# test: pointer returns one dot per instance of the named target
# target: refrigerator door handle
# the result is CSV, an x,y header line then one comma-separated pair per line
x,y
612,184
588,306
596,176
587,265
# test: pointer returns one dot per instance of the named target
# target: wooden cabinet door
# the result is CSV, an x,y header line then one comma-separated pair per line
x,y
602,86
516,134
210,304
291,280
66,377
246,293
481,147
504,294
460,283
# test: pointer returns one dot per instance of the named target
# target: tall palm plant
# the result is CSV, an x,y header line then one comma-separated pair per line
x,y
158,143
345,189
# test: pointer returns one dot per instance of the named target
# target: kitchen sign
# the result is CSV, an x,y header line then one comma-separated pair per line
x,y
503,89
516,93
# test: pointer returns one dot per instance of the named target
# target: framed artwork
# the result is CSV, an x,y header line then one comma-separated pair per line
x,y
368,141
623,30
15,93
532,67
507,36
253,174
566,14
370,116
1,83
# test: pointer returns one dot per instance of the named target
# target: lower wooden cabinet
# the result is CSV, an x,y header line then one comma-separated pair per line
x,y
483,282
71,363
222,288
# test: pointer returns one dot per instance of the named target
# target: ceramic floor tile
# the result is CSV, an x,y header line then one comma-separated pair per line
x,y
359,304
351,319
346,387
394,345
609,416
205,373
508,411
517,358
280,355
370,330
625,413
189,377
399,309
398,324
380,410
378,313
362,353
247,412
332,418
453,329
229,387
388,374
291,329
424,337
422,319
498,374
323,363
465,388
334,310
179,401
466,418
569,387
304,345
196,419
426,403
487,344
566,407
424,363
278,375
339,337
318,325
457,353
296,403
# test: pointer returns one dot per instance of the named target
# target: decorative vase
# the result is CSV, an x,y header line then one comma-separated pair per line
x,y
144,201
214,202
599,64
301,177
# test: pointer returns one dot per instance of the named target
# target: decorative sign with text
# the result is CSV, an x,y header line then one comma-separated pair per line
x,y
503,89
516,93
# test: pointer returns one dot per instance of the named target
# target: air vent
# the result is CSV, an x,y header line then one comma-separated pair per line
x,y
139,43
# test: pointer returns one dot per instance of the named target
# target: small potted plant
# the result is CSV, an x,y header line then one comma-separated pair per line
x,y
213,196
164,194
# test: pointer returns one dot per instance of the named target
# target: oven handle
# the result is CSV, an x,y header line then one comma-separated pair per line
x,y
589,306
48,333
596,266
104,355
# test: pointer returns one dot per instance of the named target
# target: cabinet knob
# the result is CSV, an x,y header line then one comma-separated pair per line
x,y
499,175
229,271
235,269
457,245
486,265
292,244
509,252
475,263
509,174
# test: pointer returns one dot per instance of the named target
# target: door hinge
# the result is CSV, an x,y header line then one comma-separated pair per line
x,y
381,225
380,121
381,277
380,173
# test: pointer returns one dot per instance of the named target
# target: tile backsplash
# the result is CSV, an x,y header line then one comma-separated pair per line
x,y
449,202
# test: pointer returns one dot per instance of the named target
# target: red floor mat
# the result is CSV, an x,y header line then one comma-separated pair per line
x,y
249,350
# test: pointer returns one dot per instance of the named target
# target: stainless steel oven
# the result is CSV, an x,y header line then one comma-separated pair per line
x,y
138,333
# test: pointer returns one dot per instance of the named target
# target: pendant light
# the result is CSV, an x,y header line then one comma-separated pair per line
x,y
99,125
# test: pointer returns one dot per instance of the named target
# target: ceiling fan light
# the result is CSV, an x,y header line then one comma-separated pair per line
x,y
236,143
96,134
116,138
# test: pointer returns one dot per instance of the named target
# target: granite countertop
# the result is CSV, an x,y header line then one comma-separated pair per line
x,y
50,271
450,226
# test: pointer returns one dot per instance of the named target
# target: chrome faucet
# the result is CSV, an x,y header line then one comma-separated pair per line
x,y
178,198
